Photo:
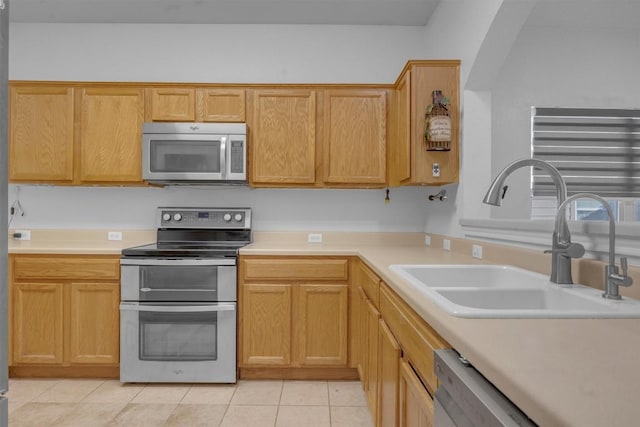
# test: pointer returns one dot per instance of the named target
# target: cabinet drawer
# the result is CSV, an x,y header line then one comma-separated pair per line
x,y
370,282
295,269
416,338
29,268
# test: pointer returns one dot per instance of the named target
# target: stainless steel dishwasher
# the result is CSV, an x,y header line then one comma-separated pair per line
x,y
466,399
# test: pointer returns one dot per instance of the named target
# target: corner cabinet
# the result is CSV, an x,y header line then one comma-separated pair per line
x,y
410,162
63,312
293,320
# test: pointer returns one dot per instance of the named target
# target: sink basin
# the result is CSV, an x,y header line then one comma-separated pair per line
x,y
500,291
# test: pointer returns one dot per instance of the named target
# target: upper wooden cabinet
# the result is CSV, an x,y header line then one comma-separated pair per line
x,y
41,134
355,136
188,104
283,137
410,163
111,134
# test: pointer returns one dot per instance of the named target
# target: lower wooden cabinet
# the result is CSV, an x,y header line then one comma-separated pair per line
x,y
293,317
415,403
371,361
38,323
388,376
64,315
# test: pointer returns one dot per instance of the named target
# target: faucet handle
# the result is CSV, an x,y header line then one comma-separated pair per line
x,y
624,265
572,250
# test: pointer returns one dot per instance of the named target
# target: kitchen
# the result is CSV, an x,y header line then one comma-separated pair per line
x,y
459,30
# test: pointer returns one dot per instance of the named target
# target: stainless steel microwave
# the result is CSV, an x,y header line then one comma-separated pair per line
x,y
194,153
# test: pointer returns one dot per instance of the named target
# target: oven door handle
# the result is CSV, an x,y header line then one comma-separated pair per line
x,y
172,262
178,308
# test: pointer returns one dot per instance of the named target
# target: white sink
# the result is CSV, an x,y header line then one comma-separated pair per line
x,y
499,291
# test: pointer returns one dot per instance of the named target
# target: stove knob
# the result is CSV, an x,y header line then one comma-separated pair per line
x,y
238,217
227,217
166,217
177,217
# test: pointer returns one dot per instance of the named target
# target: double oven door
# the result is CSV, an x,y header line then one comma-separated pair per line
x,y
178,320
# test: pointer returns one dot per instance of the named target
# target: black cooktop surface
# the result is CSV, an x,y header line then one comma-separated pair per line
x,y
183,250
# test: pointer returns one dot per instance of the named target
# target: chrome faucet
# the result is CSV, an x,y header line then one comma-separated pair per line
x,y
563,250
612,278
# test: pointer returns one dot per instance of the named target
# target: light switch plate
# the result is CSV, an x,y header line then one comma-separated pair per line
x,y
427,240
314,238
446,244
114,235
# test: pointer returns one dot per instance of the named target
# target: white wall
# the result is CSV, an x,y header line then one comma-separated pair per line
x,y
550,66
216,53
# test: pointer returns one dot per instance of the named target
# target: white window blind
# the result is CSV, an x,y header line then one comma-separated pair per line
x,y
596,150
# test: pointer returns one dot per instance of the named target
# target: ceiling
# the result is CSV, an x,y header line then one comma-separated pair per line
x,y
325,12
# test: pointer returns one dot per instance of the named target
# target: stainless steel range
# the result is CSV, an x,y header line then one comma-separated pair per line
x,y
178,298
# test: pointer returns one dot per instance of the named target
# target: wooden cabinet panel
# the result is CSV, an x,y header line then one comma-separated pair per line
x,y
370,282
65,267
322,324
357,330
296,269
94,333
371,388
417,339
284,137
416,405
355,129
111,134
41,134
38,323
388,377
220,105
266,324
411,163
173,104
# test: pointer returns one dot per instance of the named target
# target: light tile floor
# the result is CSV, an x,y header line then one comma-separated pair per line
x,y
92,403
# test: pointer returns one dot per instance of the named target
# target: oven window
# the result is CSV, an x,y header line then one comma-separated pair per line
x,y
178,336
184,156
182,277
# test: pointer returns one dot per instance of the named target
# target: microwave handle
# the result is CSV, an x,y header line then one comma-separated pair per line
x,y
223,156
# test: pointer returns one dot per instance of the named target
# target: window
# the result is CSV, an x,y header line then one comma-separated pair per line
x,y
597,151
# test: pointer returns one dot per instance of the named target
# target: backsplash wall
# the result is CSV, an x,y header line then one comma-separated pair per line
x,y
273,209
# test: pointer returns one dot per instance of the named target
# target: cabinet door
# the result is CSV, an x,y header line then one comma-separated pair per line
x,y
38,323
388,373
322,324
41,134
373,320
266,324
363,337
416,405
355,129
94,332
111,134
220,105
284,137
402,145
173,104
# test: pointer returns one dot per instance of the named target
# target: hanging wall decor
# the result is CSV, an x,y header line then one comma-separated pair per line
x,y
437,124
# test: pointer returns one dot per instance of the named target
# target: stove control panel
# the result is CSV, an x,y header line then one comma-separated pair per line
x,y
232,218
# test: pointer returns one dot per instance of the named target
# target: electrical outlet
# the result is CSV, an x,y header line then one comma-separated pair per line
x,y
24,234
114,235
314,238
476,252
427,240
446,244
435,169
